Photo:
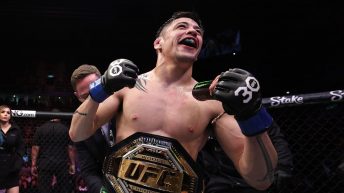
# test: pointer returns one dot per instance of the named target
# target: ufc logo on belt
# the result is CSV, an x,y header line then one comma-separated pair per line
x,y
151,175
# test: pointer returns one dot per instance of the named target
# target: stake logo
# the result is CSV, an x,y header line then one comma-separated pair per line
x,y
337,95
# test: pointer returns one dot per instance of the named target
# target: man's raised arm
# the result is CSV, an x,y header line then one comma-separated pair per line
x,y
82,125
120,73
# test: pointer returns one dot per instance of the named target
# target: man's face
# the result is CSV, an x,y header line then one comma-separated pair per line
x,y
183,39
82,87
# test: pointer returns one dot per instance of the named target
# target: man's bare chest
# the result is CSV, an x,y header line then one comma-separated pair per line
x,y
161,110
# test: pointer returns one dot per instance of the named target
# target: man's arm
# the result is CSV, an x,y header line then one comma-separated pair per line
x,y
242,131
34,155
71,154
88,118
83,120
254,157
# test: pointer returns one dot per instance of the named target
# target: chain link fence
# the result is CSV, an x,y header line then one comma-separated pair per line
x,y
316,137
313,125
53,166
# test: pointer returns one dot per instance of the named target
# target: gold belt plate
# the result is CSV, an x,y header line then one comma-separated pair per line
x,y
151,164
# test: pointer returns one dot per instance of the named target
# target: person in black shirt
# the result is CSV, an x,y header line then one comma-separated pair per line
x,y
12,149
92,151
53,155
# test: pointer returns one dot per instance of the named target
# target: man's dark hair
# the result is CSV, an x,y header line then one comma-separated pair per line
x,y
81,72
179,14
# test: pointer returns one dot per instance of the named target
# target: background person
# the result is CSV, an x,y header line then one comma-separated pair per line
x,y
92,151
53,156
12,149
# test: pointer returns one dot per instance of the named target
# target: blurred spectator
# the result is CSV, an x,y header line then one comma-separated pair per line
x,y
25,177
53,156
12,149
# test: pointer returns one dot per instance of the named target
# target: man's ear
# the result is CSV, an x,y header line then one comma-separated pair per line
x,y
157,43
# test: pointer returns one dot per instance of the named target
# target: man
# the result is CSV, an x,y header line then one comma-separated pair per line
x,y
157,108
52,155
91,152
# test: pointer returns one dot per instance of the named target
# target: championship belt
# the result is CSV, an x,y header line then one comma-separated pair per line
x,y
151,164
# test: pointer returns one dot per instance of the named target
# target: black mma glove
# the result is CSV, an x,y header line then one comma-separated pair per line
x,y
120,73
240,95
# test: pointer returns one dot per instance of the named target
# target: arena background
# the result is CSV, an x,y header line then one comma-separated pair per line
x,y
293,47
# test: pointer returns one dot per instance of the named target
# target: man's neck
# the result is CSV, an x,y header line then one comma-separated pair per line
x,y
171,74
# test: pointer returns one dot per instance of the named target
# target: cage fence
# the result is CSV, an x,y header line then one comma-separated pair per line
x,y
315,134
313,127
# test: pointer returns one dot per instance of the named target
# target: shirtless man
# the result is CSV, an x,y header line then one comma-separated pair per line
x,y
160,102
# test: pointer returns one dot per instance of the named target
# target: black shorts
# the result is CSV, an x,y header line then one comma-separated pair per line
x,y
10,181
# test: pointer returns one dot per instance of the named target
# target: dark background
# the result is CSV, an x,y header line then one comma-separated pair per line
x,y
291,46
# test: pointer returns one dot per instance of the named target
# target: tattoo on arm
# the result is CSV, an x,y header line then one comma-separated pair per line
x,y
270,171
80,113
